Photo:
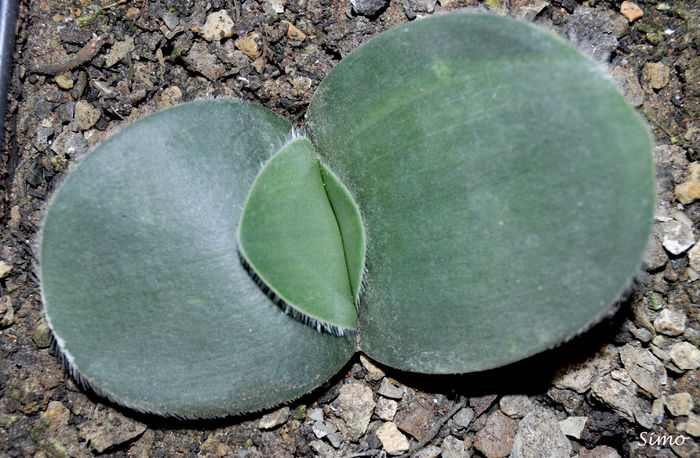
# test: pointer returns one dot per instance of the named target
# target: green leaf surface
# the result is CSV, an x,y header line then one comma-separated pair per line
x,y
505,185
290,236
141,279
351,229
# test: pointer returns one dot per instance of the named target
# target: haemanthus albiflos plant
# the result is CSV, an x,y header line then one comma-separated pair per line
x,y
472,191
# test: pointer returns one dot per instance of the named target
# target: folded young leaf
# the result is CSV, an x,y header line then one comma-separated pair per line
x,y
290,237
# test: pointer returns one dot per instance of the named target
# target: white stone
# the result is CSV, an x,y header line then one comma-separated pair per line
x,y
692,427
386,408
694,257
678,232
670,322
685,355
539,434
316,414
616,395
516,405
352,409
621,376
274,419
374,373
393,441
322,449
679,404
573,426
5,269
217,26
644,368
452,448
388,389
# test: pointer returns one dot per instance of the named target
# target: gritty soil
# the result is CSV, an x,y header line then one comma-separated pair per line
x,y
67,92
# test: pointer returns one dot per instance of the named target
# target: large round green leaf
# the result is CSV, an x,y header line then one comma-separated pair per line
x,y
505,185
141,279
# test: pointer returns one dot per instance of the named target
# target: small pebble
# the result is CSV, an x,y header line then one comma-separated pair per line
x,y
352,410
15,214
374,373
63,81
692,427
452,448
463,417
642,334
573,426
259,65
394,442
621,376
495,439
670,322
368,7
689,191
631,11
7,313
293,33
274,419
516,405
616,395
217,26
389,390
685,355
56,414
431,451
679,404
5,269
601,451
248,45
322,429
86,115
171,20
322,449
644,368
277,5
315,414
678,232
132,14
657,74
572,378
539,434
171,95
694,257
41,334
386,409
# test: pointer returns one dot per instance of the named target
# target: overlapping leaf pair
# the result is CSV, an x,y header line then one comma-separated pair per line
x,y
492,184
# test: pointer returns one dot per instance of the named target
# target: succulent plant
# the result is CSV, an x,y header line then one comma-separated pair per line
x,y
472,191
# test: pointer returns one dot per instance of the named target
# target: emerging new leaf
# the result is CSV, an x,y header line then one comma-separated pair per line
x,y
291,238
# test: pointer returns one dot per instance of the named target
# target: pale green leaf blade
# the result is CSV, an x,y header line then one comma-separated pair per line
x,y
352,231
506,189
290,237
142,282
